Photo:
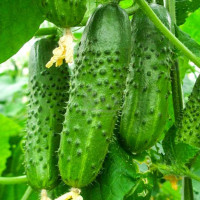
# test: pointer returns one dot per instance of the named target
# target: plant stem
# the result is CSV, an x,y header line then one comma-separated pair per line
x,y
187,189
178,44
13,180
27,193
170,170
46,31
177,95
171,7
193,176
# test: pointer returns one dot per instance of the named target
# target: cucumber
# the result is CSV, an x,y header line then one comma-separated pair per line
x,y
145,106
188,131
95,95
48,92
64,13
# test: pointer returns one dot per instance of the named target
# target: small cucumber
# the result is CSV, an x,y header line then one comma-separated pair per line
x,y
64,13
145,107
48,92
189,127
95,95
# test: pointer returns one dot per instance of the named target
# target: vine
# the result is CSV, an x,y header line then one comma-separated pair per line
x,y
13,180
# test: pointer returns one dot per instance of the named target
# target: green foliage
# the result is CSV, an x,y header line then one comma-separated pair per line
x,y
8,128
17,25
191,26
5,150
188,41
184,8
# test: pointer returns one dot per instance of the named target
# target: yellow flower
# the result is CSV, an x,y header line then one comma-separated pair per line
x,y
63,51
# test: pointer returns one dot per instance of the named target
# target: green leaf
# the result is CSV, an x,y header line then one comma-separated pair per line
x,y
188,41
184,8
19,20
126,3
15,168
143,188
191,26
119,175
5,153
117,179
177,154
185,67
185,152
8,127
168,145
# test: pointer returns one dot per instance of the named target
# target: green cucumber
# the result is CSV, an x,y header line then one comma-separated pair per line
x,y
48,92
64,13
145,107
95,95
188,131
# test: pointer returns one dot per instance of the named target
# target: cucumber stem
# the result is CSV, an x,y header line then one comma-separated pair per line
x,y
46,31
27,193
187,190
177,95
13,180
178,44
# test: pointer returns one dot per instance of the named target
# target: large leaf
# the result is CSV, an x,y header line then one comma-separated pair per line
x,y
119,175
143,188
184,8
8,127
177,155
15,168
19,20
191,26
188,41
5,152
117,179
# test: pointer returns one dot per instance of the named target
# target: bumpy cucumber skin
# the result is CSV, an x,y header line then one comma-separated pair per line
x,y
144,111
95,95
48,90
64,13
189,127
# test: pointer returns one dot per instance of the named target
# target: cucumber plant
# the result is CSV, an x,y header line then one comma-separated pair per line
x,y
97,88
